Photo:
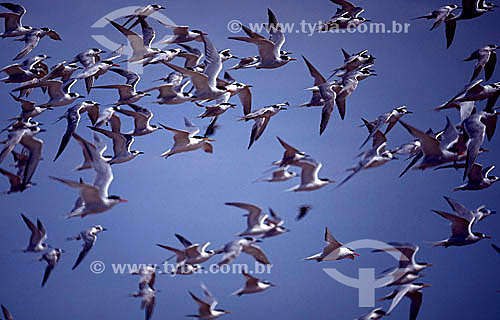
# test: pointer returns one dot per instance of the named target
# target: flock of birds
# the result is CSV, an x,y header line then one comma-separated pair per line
x,y
456,146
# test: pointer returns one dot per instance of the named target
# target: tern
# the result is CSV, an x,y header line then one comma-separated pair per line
x,y
193,57
192,254
183,34
31,39
270,56
413,292
486,59
94,66
72,116
435,152
142,117
141,46
38,236
408,268
475,92
470,9
256,221
479,214
62,70
185,141
13,20
89,238
127,91
240,89
142,13
206,310
121,146
291,156
349,84
279,175
461,233
172,93
59,92
52,258
477,126
148,299
253,285
17,73
372,158
205,83
93,199
163,57
247,245
262,117
215,110
334,250
325,95
390,118
147,276
15,181
26,137
354,61
374,314
29,111
441,15
478,179
309,180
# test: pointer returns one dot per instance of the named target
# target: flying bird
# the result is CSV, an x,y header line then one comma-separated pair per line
x,y
38,235
253,285
89,238
207,310
52,258
334,250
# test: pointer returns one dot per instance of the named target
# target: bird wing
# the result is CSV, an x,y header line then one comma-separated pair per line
x,y
31,40
136,41
429,144
475,173
185,242
459,208
181,137
460,227
254,212
257,253
489,68
213,62
318,78
402,291
35,146
416,302
6,313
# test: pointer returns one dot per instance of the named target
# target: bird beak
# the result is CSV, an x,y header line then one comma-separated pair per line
x,y
205,34
104,229
208,139
425,285
258,240
123,200
42,130
273,285
354,253
409,112
292,59
487,237
115,65
140,152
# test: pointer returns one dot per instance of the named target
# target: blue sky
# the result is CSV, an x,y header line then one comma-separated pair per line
x,y
186,193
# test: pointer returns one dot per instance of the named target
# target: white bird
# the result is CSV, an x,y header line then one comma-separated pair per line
x,y
440,15
349,83
31,39
390,118
354,61
435,152
15,181
238,88
479,214
411,291
13,20
163,57
26,137
29,111
141,46
478,179
121,146
475,92
52,258
324,94
172,93
291,155
72,116
62,70
142,117
59,92
205,83
38,236
309,179
334,250
279,175
253,285
89,238
461,233
486,59
408,269
148,300
270,56
192,254
147,276
142,12
206,310
215,110
17,73
94,198
185,141
262,117
127,91
375,157
256,225
247,245
183,34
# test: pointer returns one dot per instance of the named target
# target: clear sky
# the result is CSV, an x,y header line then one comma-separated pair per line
x,y
186,193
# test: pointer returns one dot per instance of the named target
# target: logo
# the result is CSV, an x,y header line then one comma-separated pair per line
x,y
366,281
